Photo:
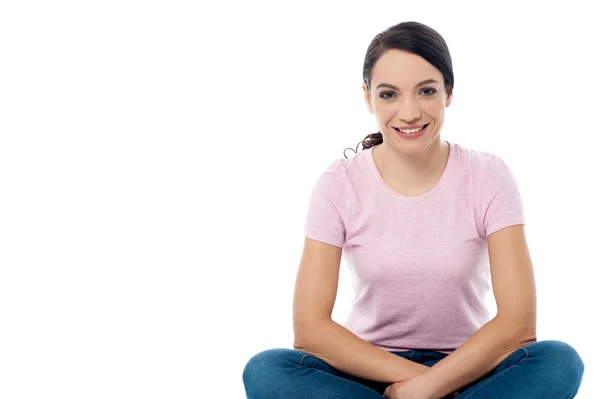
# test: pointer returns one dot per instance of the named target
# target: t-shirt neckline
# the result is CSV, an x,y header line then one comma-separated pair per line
x,y
438,185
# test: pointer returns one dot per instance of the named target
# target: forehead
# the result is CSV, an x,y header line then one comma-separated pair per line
x,y
402,68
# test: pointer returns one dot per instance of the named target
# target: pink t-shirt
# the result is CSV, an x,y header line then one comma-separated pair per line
x,y
419,265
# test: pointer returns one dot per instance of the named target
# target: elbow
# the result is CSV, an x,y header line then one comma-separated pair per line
x,y
301,335
527,337
304,333
299,341
522,329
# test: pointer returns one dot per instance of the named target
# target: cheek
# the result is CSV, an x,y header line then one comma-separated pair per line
x,y
385,111
435,110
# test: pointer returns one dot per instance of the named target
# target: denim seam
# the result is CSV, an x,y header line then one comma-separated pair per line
x,y
494,377
300,364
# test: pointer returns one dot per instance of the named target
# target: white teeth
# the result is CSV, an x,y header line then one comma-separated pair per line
x,y
409,131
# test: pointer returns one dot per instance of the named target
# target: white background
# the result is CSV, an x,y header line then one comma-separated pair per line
x,y
156,160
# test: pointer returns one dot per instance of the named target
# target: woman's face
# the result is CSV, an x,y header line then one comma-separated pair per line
x,y
406,90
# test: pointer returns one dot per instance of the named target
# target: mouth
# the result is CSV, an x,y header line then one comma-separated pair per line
x,y
409,132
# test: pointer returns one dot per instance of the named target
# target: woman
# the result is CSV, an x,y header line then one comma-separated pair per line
x,y
424,224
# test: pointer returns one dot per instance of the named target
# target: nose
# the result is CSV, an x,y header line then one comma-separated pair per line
x,y
409,110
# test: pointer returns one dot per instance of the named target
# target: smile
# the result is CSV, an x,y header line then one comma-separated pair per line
x,y
411,131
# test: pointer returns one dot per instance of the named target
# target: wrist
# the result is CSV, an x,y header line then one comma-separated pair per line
x,y
425,386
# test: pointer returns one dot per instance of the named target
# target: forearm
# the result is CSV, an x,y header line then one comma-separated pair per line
x,y
345,351
478,355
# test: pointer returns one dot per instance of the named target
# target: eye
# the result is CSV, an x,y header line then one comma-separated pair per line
x,y
385,96
430,91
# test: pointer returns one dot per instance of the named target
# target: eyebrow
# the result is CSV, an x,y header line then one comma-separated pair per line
x,y
418,85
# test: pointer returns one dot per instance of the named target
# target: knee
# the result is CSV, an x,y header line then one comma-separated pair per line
x,y
565,362
564,355
258,366
263,370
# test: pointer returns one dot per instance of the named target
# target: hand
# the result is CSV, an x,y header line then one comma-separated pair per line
x,y
409,389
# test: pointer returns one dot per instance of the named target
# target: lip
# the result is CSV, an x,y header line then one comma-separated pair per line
x,y
411,126
413,135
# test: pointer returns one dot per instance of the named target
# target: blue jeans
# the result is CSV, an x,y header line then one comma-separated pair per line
x,y
545,369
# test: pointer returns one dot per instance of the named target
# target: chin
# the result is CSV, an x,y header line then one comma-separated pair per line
x,y
412,147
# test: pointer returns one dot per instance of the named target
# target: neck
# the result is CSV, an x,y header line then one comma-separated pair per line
x,y
412,170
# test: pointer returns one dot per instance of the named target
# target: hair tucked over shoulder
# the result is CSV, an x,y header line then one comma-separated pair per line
x,y
413,37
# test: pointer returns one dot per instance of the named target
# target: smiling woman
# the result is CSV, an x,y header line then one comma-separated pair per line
x,y
402,53
405,109
427,227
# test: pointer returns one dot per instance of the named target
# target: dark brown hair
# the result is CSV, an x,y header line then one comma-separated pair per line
x,y
413,37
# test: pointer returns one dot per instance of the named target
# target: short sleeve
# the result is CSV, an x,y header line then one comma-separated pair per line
x,y
327,207
500,198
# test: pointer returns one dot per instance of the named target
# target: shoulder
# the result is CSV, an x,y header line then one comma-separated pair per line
x,y
495,191
337,170
332,182
481,164
347,172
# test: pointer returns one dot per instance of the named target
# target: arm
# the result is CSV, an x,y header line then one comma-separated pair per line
x,y
512,328
338,347
317,334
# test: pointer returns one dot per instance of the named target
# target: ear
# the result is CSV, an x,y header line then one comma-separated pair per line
x,y
367,94
449,98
